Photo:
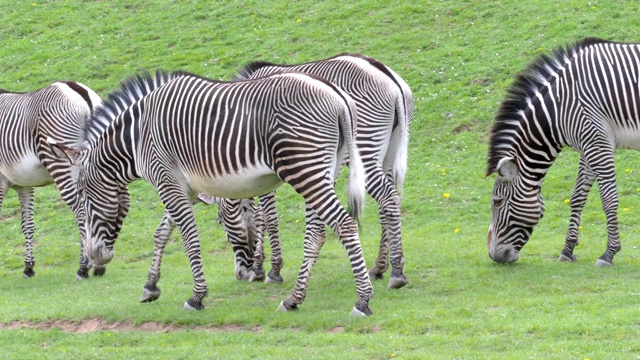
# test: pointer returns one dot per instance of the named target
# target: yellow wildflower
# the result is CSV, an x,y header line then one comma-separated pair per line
x,y
447,195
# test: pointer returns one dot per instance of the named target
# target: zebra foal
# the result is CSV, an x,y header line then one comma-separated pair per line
x,y
584,96
186,134
58,112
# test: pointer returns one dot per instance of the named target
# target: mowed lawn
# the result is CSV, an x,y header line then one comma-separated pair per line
x,y
459,58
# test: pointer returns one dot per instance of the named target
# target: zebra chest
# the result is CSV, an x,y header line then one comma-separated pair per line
x,y
26,171
247,183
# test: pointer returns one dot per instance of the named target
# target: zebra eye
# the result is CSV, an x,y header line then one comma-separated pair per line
x,y
497,202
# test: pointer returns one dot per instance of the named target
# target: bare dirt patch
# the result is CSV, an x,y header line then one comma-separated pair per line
x,y
93,325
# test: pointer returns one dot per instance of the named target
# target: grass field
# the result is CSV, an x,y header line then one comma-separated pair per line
x,y
458,57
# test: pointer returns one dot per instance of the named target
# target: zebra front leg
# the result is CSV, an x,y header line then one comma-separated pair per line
x,y
26,205
254,222
83,271
180,209
151,291
581,189
124,201
230,216
268,209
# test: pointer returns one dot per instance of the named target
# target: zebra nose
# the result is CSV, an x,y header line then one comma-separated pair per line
x,y
505,255
102,255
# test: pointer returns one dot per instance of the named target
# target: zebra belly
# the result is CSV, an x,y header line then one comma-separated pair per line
x,y
245,184
28,172
627,139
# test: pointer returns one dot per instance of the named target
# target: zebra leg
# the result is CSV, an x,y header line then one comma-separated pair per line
x,y
25,195
253,220
584,181
230,217
268,209
151,291
179,208
601,162
381,189
331,213
314,238
83,270
124,201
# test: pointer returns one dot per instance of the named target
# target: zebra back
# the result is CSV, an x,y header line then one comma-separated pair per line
x,y
349,71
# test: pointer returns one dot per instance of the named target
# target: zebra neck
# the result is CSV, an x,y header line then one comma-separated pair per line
x,y
115,152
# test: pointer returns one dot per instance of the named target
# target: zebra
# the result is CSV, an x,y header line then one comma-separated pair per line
x,y
583,96
59,112
187,134
385,111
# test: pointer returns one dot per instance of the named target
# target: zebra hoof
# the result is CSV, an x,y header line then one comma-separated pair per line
x,y
82,274
256,275
150,294
273,279
567,258
361,311
193,305
397,282
284,307
376,274
28,273
99,271
603,263
243,274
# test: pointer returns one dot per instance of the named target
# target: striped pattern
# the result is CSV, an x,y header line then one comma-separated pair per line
x,y
187,134
57,112
385,111
584,96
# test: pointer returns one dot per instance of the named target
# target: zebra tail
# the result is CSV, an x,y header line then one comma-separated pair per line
x,y
356,187
399,166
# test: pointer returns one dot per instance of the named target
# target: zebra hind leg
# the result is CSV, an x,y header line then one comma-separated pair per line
x,y
313,240
26,204
382,190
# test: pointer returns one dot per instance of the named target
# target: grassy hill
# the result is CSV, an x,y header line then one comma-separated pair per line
x,y
458,57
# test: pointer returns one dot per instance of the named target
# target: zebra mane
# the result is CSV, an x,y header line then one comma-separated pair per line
x,y
131,91
251,68
526,85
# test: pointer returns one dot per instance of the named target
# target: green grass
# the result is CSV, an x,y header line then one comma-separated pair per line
x,y
458,57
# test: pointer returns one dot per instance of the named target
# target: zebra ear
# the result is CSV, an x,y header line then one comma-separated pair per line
x,y
62,151
507,168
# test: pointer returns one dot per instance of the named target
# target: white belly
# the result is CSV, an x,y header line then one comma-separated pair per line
x,y
246,184
627,138
29,172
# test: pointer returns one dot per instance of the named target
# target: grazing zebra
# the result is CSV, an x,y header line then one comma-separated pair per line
x,y
584,96
59,112
186,134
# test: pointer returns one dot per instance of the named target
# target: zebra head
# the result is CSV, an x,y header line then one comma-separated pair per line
x,y
515,209
99,212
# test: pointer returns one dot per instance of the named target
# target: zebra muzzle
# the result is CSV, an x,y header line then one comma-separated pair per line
x,y
102,255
